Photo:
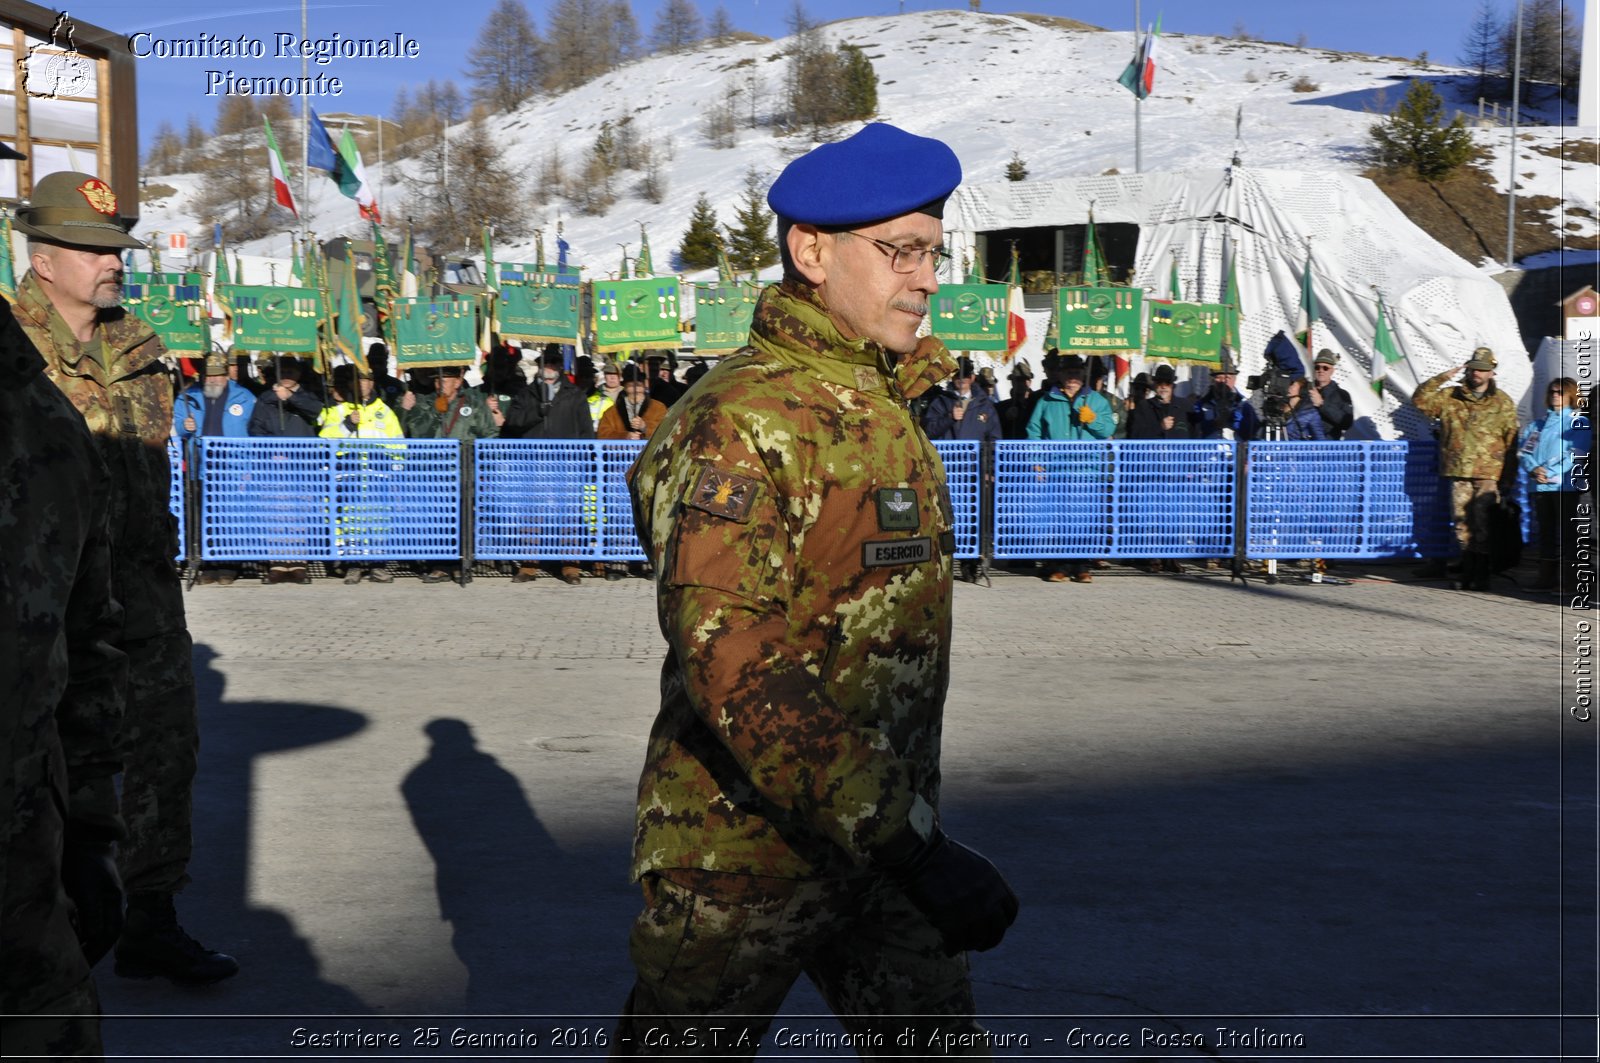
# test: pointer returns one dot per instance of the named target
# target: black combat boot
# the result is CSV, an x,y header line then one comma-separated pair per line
x,y
153,944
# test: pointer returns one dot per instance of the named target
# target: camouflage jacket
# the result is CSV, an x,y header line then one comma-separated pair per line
x,y
466,416
61,680
120,384
1477,433
801,531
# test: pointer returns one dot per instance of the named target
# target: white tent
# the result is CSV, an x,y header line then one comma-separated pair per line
x,y
1440,306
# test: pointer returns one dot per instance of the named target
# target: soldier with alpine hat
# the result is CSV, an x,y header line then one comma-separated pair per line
x,y
788,818
109,364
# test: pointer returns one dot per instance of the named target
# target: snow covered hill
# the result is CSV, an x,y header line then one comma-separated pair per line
x,y
988,84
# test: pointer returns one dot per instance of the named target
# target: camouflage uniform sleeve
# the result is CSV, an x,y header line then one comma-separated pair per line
x,y
89,716
728,609
1429,397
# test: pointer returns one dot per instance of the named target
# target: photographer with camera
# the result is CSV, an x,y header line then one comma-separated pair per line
x,y
1302,421
1332,402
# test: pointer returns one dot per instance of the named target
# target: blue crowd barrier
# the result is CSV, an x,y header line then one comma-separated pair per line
x,y
330,499
1122,498
175,498
963,473
318,499
1356,500
553,500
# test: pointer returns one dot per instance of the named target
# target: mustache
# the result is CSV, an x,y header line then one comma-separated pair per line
x,y
910,307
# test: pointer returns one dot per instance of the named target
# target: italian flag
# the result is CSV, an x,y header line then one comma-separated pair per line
x,y
1307,312
352,178
1140,76
280,173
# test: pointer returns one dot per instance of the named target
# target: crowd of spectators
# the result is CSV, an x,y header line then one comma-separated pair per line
x,y
549,395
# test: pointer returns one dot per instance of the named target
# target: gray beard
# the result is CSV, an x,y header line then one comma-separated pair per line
x,y
214,389
107,302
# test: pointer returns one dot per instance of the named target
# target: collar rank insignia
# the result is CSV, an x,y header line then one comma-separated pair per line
x,y
99,195
724,494
897,509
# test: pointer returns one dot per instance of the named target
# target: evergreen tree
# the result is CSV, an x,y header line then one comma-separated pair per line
x,y
578,43
450,214
858,87
1016,169
720,28
701,239
677,27
750,239
1481,48
166,151
1415,138
506,63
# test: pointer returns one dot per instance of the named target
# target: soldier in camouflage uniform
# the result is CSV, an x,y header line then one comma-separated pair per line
x,y
801,530
109,365
1477,454
61,691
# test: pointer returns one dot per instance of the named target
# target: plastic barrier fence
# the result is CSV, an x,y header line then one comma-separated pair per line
x,y
559,500
1345,500
962,462
1124,499
320,499
175,497
325,499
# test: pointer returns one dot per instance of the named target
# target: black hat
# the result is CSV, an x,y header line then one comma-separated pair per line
x,y
964,368
552,356
1164,374
452,370
1071,364
583,365
344,378
634,373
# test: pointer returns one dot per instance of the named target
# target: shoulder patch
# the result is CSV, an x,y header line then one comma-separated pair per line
x,y
723,494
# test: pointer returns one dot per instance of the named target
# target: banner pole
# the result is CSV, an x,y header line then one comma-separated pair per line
x,y
1138,104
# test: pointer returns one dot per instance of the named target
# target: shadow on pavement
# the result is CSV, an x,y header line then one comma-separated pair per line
x,y
279,971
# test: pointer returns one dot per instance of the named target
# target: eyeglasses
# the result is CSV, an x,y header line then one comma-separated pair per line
x,y
906,259
1323,368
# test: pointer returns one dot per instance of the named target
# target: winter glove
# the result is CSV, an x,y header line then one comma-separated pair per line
x,y
1085,415
89,877
963,895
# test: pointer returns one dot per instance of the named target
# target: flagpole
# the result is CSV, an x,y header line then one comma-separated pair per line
x,y
1511,177
305,128
1138,102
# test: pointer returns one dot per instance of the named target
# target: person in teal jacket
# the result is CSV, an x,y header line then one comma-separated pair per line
x,y
1554,454
1067,410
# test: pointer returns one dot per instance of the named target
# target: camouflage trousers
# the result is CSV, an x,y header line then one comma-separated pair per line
x,y
161,748
716,955
1472,504
65,1028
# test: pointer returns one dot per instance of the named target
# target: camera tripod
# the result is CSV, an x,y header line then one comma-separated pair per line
x,y
1272,430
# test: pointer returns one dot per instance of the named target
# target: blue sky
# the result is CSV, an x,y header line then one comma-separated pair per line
x,y
171,89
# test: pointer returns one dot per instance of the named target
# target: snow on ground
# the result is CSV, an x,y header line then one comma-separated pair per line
x,y
988,84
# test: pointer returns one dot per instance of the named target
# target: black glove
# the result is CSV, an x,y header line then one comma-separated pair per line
x,y
89,876
963,895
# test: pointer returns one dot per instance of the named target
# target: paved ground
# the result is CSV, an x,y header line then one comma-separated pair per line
x,y
1326,821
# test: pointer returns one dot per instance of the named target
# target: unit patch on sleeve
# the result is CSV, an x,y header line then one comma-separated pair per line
x,y
897,509
724,494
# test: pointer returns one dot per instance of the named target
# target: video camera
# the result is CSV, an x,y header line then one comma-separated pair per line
x,y
1283,365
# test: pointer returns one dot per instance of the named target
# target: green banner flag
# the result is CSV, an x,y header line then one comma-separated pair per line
x,y
436,331
539,313
634,315
722,315
173,304
1099,320
268,318
1187,332
970,317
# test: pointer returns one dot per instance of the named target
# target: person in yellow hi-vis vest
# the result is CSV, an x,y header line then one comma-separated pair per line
x,y
368,418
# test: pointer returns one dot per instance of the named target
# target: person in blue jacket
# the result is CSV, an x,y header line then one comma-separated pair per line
x,y
1304,421
216,406
962,411
1068,410
1554,454
1223,412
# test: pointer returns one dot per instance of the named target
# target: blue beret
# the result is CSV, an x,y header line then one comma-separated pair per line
x,y
880,172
